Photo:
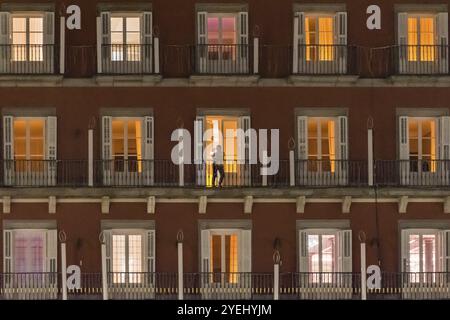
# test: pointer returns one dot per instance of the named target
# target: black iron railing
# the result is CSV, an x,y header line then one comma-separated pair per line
x,y
28,59
223,59
125,59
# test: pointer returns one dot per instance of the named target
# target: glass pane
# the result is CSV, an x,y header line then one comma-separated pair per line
x,y
29,251
135,258
313,256
116,24
213,30
429,253
118,139
230,141
36,25
427,39
310,38
216,256
19,38
328,258
19,24
412,39
229,30
231,261
19,139
133,24
414,253
119,259
117,38
326,36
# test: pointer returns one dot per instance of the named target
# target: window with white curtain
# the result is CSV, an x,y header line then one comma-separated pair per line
x,y
127,257
125,37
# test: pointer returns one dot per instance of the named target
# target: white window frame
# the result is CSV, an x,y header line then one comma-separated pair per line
x,y
27,16
124,44
420,232
125,135
417,17
127,233
420,135
321,233
319,136
29,231
220,16
223,233
27,135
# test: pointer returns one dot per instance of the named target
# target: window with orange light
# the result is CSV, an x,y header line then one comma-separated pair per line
x,y
319,38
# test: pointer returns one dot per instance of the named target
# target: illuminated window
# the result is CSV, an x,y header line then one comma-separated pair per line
x,y
29,144
321,256
223,131
421,37
29,251
222,36
224,257
421,255
321,144
125,38
319,37
422,144
127,258
127,144
27,38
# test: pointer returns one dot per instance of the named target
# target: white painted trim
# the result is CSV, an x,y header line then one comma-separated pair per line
x,y
99,45
223,200
62,48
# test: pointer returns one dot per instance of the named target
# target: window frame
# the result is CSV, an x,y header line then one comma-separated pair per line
x,y
321,232
43,232
124,46
29,47
223,233
419,47
27,137
117,277
125,137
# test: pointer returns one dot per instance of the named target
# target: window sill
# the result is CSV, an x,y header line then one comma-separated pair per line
x,y
121,80
224,80
315,80
37,80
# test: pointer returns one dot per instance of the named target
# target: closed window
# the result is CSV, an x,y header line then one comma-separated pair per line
x,y
224,256
27,38
319,38
29,251
127,257
125,38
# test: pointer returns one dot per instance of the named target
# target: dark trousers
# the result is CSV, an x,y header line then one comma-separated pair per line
x,y
218,169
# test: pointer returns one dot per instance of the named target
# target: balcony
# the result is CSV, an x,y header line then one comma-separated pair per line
x,y
227,286
226,59
164,173
326,60
28,59
421,60
412,173
331,173
127,59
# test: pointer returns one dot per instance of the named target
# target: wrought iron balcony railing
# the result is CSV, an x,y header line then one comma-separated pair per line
x,y
127,59
223,58
228,286
325,60
29,59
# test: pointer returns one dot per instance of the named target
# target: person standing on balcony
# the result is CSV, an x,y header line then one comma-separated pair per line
x,y
218,168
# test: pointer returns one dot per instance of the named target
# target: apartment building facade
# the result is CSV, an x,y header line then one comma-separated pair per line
x,y
88,117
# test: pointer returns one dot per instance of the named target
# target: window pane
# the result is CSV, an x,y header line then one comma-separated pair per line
x,y
427,39
326,35
231,258
229,30
313,253
19,24
429,253
118,139
116,24
135,257
414,254
119,261
216,256
213,30
36,25
29,251
328,253
19,139
412,39
134,24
